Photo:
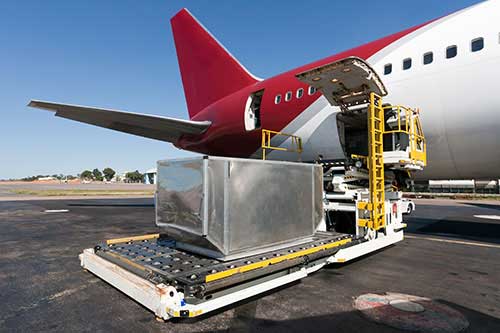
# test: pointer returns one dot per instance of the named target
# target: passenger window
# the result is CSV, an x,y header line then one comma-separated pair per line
x,y
300,93
428,58
288,96
277,99
311,90
406,63
477,44
451,51
387,69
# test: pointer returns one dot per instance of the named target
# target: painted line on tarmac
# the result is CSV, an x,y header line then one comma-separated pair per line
x,y
46,300
454,241
489,217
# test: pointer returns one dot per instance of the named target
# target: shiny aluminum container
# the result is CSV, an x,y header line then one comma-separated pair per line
x,y
228,208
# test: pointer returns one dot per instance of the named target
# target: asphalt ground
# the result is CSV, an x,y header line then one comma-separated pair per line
x,y
449,256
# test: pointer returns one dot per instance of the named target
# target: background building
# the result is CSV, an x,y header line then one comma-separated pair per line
x,y
150,176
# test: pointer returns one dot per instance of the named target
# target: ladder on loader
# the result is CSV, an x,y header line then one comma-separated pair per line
x,y
376,204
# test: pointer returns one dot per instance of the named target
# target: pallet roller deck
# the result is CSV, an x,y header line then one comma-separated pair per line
x,y
174,283
159,261
151,264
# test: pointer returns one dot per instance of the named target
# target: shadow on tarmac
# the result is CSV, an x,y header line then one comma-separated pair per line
x,y
244,320
469,230
483,205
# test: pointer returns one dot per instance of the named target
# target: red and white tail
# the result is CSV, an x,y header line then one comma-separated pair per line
x,y
209,72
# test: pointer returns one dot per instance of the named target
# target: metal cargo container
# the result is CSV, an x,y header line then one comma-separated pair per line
x,y
227,208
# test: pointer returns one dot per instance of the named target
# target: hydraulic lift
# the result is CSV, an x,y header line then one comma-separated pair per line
x,y
359,202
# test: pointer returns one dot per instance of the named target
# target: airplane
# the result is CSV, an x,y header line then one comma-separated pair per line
x,y
447,67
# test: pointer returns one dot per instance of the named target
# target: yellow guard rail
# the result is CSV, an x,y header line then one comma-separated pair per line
x,y
296,142
409,123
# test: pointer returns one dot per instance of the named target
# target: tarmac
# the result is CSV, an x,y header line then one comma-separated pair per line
x,y
449,256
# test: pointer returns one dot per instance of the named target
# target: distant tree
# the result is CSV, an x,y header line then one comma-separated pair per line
x,y
97,174
134,177
70,177
86,174
108,173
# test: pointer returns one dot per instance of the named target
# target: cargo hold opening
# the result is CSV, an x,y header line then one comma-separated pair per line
x,y
353,132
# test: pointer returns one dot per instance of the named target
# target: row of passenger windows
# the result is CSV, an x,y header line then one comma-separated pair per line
x,y
476,44
298,94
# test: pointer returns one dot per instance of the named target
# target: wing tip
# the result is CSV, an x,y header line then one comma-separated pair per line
x,y
34,103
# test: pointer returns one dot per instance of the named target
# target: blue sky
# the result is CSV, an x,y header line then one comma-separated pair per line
x,y
120,55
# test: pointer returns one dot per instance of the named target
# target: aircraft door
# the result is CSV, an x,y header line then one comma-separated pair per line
x,y
252,111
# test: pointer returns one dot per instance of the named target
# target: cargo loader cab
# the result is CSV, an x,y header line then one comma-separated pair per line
x,y
403,140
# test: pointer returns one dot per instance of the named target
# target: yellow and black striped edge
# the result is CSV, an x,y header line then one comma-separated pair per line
x,y
264,263
132,238
190,314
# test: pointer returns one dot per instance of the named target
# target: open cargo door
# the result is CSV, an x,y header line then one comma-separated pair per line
x,y
345,83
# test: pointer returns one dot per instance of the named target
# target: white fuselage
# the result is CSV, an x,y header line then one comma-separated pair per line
x,y
458,97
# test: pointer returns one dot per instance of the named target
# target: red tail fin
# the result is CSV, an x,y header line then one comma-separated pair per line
x,y
209,72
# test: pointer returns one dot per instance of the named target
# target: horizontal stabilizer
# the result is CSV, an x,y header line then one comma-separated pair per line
x,y
149,126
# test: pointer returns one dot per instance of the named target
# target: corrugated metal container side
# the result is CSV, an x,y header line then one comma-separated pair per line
x,y
228,208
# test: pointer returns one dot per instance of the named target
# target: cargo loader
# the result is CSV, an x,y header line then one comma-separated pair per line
x,y
233,228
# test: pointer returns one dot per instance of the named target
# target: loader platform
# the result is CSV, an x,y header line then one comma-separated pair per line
x,y
172,282
156,258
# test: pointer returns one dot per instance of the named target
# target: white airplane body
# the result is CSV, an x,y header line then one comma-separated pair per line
x,y
455,89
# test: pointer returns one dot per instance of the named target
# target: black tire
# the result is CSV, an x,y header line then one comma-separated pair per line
x,y
409,209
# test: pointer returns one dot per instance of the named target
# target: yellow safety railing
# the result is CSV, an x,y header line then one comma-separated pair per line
x,y
296,142
409,124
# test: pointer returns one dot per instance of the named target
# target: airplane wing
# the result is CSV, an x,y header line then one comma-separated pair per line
x,y
149,126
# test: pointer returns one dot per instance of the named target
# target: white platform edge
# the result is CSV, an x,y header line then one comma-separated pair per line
x,y
153,297
359,250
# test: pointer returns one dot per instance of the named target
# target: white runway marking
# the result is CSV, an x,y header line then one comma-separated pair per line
x,y
489,217
454,241
56,210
